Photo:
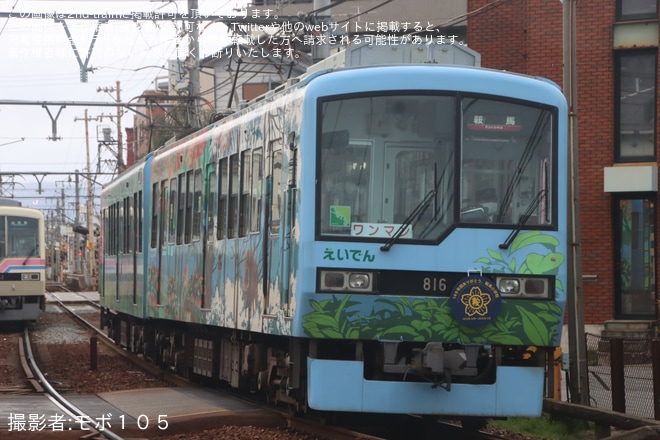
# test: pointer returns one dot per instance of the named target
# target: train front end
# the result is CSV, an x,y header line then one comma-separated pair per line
x,y
433,280
22,263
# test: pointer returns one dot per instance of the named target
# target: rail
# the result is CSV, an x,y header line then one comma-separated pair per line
x,y
51,391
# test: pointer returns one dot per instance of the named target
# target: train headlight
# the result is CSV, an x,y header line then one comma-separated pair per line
x,y
359,280
508,286
527,287
345,281
30,276
333,280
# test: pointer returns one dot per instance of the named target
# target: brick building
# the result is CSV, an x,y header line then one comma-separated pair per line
x,y
617,64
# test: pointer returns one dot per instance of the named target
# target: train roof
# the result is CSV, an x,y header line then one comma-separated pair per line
x,y
441,77
21,211
9,202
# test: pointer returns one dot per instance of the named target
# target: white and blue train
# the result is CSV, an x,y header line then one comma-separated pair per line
x,y
22,262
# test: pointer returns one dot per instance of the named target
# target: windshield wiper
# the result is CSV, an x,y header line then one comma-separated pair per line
x,y
29,255
523,219
526,157
417,212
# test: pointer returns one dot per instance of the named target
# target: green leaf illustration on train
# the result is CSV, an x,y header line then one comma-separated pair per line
x,y
519,323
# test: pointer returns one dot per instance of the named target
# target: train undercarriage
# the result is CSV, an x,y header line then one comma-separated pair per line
x,y
277,366
21,308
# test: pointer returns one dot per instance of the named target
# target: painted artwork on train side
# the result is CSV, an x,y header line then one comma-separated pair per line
x,y
234,268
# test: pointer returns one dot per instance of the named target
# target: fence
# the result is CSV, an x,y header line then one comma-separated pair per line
x,y
621,375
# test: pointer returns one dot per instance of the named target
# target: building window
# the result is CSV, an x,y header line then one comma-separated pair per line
x,y
634,258
636,9
635,105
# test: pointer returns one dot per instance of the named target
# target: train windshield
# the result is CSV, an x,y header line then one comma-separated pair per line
x,y
421,164
19,236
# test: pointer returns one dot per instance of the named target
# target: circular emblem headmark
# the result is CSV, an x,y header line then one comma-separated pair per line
x,y
475,301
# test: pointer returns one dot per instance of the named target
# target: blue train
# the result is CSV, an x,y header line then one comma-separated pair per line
x,y
381,240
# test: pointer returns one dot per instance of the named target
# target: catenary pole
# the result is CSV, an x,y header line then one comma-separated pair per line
x,y
578,373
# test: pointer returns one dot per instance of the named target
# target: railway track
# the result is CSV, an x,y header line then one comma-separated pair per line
x,y
300,424
70,410
411,428
71,310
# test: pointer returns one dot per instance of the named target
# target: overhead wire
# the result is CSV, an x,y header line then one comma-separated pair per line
x,y
463,17
7,20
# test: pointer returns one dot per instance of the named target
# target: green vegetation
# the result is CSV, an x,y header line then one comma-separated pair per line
x,y
547,427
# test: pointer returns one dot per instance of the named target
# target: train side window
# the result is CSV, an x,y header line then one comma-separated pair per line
x,y
123,214
109,248
129,233
197,204
115,229
111,230
210,208
121,227
257,183
155,200
104,232
244,204
138,223
172,216
223,196
189,206
135,220
121,236
276,201
104,236
233,195
3,248
163,206
180,218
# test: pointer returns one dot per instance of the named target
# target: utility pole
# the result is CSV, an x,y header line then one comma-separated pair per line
x,y
579,378
321,51
90,210
63,246
120,151
192,63
89,241
77,259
